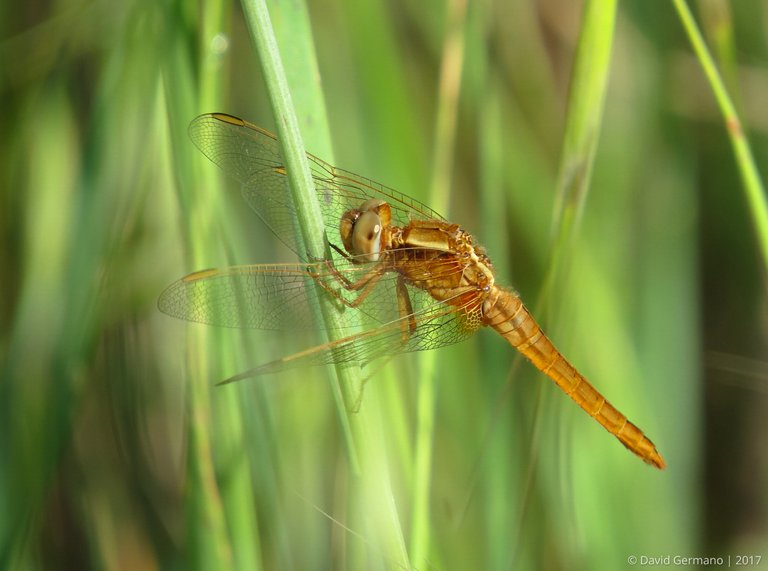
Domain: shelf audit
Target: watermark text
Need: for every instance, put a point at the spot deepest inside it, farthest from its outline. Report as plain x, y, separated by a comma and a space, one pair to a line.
695, 561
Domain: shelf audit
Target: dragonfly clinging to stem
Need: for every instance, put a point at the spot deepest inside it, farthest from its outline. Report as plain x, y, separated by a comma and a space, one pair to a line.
419, 281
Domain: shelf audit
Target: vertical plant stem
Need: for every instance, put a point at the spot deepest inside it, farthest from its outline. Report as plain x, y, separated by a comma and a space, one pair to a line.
373, 491
750, 177
585, 111
230, 437
205, 520
310, 221
445, 136
302, 188
582, 130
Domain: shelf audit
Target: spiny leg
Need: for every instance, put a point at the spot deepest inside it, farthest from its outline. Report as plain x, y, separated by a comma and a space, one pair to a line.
364, 285
405, 309
408, 326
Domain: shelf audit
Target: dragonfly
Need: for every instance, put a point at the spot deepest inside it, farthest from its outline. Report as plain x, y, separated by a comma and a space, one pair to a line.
413, 279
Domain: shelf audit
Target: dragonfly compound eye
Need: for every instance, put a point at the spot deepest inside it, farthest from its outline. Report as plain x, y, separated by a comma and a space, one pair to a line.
366, 236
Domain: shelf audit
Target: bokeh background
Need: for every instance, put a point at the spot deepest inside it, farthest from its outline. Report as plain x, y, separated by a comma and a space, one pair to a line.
118, 452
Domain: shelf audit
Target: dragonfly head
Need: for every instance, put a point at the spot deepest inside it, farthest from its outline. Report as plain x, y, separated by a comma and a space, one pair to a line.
361, 229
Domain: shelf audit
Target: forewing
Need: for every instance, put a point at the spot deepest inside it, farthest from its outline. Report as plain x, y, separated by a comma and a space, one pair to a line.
284, 296
253, 156
269, 297
276, 297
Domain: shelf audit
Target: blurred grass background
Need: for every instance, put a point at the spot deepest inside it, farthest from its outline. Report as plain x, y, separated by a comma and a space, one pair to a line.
116, 450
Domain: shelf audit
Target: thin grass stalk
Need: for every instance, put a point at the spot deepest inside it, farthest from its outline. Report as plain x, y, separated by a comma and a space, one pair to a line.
310, 222
36, 382
205, 519
500, 475
230, 440
750, 176
718, 27
582, 130
365, 451
440, 186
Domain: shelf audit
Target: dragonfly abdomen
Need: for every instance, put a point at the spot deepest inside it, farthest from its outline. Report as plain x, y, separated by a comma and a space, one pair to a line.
506, 313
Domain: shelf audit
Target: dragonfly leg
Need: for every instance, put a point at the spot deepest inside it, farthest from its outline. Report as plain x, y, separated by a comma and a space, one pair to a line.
341, 252
343, 280
369, 373
405, 309
315, 259
360, 392
364, 285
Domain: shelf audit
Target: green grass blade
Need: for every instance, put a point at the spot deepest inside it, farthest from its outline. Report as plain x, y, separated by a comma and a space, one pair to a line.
582, 131
440, 186
362, 429
585, 112
586, 98
205, 519
750, 176
310, 222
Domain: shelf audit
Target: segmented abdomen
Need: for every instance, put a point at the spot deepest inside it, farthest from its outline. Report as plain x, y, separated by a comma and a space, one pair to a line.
507, 314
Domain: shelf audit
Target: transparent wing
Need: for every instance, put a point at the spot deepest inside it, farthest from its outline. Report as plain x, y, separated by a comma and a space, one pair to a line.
284, 296
269, 297
253, 156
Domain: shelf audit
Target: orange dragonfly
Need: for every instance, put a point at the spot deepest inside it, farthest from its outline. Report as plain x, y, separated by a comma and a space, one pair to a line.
418, 281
